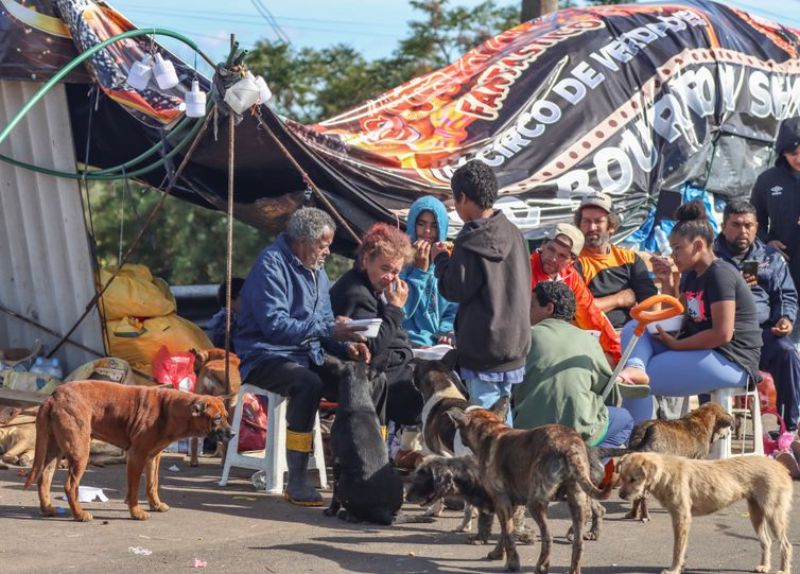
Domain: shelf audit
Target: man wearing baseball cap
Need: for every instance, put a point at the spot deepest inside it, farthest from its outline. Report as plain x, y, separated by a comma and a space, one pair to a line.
617, 277
553, 261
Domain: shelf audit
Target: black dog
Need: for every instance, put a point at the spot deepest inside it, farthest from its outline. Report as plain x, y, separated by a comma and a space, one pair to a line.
365, 483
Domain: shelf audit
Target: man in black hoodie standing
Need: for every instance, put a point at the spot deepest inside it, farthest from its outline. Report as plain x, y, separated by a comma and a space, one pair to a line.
488, 275
776, 197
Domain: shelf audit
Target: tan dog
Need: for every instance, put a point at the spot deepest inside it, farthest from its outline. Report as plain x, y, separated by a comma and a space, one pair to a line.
689, 488
18, 440
18, 435
140, 420
531, 467
210, 369
690, 436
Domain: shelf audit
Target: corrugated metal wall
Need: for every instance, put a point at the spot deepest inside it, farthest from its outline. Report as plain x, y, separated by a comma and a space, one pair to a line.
45, 263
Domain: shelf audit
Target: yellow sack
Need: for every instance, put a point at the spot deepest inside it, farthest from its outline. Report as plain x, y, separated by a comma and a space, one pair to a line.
138, 342
135, 293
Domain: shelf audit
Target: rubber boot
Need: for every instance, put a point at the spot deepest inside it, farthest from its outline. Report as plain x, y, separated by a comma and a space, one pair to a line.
298, 491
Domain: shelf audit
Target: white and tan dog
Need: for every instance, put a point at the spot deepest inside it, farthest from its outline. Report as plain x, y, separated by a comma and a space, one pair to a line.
687, 488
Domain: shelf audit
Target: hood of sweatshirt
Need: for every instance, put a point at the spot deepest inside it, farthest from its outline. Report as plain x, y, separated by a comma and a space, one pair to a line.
788, 139
492, 237
427, 203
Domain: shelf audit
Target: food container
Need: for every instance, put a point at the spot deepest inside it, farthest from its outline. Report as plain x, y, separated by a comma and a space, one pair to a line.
372, 325
671, 325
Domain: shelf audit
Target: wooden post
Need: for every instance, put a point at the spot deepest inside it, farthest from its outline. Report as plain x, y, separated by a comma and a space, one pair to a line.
535, 8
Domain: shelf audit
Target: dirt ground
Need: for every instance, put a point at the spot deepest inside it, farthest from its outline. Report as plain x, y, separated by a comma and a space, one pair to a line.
236, 529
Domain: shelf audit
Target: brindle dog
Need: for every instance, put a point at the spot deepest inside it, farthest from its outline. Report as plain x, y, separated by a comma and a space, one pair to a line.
530, 467
439, 477
690, 436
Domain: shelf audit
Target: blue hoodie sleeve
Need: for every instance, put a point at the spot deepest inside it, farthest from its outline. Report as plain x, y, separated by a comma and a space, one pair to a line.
275, 321
782, 293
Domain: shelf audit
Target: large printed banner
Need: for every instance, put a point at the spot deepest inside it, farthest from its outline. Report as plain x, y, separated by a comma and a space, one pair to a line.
623, 99
630, 100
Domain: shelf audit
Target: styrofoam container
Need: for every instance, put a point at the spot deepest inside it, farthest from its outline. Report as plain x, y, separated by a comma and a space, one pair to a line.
671, 325
372, 325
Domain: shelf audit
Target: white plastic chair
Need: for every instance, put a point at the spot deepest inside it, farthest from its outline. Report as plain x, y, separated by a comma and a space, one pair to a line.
725, 397
273, 463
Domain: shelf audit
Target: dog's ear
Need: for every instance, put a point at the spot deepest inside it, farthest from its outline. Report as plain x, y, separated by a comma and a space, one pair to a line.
500, 408
457, 416
199, 407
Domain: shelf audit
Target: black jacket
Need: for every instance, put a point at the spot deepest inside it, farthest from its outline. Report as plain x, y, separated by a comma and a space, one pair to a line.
776, 197
352, 296
489, 276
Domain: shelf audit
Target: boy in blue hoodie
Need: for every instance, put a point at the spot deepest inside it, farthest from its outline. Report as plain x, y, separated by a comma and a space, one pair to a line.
428, 316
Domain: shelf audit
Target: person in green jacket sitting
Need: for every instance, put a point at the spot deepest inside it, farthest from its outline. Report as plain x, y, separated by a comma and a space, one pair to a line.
565, 374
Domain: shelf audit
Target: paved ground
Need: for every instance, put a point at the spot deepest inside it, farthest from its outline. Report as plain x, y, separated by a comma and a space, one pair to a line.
235, 529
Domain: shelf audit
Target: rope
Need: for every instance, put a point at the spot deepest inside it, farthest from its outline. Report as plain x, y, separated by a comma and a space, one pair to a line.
139, 236
229, 262
317, 192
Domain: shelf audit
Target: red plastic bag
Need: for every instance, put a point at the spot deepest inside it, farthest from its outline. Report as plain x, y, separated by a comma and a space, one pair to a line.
176, 369
253, 430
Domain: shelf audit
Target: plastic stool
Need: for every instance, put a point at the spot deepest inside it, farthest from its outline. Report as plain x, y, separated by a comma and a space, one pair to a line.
725, 397
273, 463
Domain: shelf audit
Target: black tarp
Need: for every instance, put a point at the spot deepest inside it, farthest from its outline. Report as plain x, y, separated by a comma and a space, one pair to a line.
628, 99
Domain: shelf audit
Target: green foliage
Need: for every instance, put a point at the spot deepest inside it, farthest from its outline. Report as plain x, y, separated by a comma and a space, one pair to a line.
185, 244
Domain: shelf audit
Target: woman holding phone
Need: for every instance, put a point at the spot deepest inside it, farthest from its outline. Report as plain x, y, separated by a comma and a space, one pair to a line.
373, 289
720, 343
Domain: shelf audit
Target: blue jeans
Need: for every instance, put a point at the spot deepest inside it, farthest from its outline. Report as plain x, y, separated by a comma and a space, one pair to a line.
677, 373
485, 394
620, 425
780, 358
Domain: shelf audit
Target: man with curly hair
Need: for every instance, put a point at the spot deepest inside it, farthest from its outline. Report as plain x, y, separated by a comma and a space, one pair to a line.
488, 275
565, 374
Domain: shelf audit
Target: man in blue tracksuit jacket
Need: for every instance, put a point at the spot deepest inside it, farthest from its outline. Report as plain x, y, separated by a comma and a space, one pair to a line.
428, 316
776, 301
284, 328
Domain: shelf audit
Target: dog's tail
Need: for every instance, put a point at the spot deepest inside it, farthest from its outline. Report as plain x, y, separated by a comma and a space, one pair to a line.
42, 443
578, 460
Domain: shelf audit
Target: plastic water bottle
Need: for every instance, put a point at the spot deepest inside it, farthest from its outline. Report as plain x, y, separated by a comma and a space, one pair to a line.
39, 366
662, 241
54, 369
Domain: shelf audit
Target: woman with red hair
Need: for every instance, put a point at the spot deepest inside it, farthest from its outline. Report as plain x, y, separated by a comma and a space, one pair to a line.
373, 289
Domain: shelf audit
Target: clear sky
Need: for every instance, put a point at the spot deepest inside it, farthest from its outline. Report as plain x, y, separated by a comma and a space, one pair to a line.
373, 27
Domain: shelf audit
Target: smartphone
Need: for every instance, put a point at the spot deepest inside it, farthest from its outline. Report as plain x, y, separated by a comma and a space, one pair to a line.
750, 267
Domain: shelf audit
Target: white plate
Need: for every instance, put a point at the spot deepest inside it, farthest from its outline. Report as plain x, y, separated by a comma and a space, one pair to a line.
671, 325
372, 325
434, 353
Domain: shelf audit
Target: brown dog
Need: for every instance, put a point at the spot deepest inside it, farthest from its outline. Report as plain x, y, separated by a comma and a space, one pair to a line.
689, 488
531, 467
690, 436
140, 420
210, 369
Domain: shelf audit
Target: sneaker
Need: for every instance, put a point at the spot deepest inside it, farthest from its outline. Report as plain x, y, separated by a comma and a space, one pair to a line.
788, 460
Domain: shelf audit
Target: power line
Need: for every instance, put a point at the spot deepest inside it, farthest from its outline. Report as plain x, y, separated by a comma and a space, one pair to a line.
267, 15
247, 19
251, 23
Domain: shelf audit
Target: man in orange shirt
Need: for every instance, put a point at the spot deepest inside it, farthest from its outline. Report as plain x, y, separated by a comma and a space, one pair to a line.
553, 262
